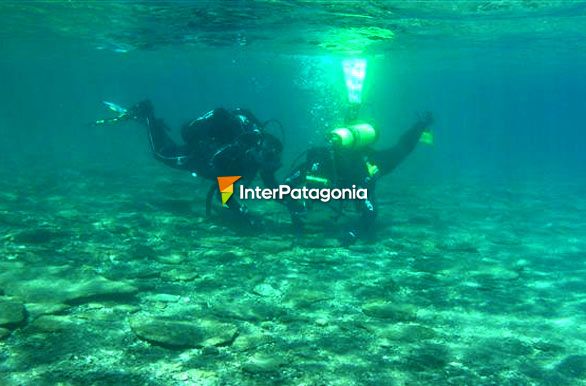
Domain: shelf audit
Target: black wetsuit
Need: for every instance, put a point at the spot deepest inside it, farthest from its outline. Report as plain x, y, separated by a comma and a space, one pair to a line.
219, 143
342, 168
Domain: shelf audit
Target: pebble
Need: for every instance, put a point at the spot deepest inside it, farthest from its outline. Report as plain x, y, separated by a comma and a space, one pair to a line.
266, 290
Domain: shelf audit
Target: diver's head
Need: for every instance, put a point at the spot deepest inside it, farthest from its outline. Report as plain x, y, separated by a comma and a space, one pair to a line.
353, 137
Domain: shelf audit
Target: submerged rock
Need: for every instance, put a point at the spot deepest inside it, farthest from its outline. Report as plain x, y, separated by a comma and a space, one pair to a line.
170, 259
37, 309
179, 275
12, 313
183, 334
302, 297
54, 288
386, 310
164, 298
431, 357
54, 323
263, 364
39, 236
266, 290
573, 366
4, 332
251, 341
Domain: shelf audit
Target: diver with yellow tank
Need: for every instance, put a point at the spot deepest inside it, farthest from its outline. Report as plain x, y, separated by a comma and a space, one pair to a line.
348, 159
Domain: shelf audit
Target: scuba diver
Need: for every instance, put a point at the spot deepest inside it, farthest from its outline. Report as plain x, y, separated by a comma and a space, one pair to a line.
349, 161
219, 143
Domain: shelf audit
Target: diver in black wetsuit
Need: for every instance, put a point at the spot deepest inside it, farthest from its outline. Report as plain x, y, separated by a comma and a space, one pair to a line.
219, 143
349, 160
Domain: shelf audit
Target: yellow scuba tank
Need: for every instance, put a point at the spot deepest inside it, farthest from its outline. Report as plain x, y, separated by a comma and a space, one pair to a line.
354, 136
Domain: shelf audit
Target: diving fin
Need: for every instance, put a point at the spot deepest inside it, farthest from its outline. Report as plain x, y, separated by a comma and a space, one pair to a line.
122, 114
114, 107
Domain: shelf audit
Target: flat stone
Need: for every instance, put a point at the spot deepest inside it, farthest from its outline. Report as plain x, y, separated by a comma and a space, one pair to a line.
429, 357
170, 259
322, 322
386, 310
4, 332
37, 309
61, 285
179, 275
573, 366
183, 334
12, 312
266, 290
299, 297
165, 298
222, 257
39, 236
263, 364
251, 341
54, 323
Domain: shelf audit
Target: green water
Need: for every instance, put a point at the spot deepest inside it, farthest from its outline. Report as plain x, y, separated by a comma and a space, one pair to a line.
111, 272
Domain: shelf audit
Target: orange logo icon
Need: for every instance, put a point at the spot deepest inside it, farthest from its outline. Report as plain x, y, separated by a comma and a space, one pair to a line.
226, 185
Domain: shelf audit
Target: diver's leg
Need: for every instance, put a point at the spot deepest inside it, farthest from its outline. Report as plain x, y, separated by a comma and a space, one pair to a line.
240, 211
162, 146
218, 124
364, 228
297, 208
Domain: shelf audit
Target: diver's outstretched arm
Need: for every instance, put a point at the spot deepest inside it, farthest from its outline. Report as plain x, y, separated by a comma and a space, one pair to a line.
388, 159
162, 146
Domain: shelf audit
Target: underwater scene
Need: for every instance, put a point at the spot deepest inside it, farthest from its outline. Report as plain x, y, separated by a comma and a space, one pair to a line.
281, 192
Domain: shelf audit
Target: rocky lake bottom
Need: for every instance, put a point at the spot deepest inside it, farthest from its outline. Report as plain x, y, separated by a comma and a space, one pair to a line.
111, 277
